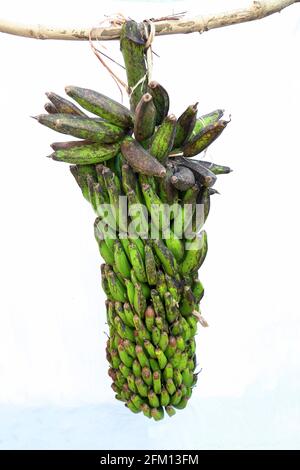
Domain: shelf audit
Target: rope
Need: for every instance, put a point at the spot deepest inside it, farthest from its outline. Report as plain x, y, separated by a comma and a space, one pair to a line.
117, 19
120, 19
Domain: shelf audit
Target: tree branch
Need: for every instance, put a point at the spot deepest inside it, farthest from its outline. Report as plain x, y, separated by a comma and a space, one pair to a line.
256, 11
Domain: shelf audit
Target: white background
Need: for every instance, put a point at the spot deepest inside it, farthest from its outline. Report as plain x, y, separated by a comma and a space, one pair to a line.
55, 392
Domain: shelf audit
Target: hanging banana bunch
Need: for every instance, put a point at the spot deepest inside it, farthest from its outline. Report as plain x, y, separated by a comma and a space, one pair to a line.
143, 156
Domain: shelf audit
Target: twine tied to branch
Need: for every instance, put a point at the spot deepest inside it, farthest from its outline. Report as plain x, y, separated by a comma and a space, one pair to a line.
119, 19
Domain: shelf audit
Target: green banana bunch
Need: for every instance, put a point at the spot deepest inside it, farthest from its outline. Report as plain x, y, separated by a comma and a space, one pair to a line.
150, 271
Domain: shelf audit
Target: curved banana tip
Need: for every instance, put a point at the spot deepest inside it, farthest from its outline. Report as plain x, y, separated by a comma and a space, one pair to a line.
35, 117
214, 191
228, 120
68, 89
153, 84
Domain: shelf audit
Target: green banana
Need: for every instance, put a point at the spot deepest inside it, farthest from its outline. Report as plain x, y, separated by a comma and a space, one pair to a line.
142, 358
182, 404
99, 170
153, 399
195, 254
117, 290
136, 368
177, 378
140, 160
144, 120
86, 154
138, 214
160, 323
69, 144
172, 311
198, 290
165, 256
202, 174
157, 382
149, 349
157, 304
146, 410
164, 340
167, 191
204, 138
161, 100
147, 375
205, 120
64, 106
139, 244
121, 262
215, 168
129, 181
157, 210
104, 284
131, 383
110, 309
124, 356
161, 358
125, 371
173, 288
163, 139
175, 245
164, 398
139, 300
141, 387
81, 181
137, 401
149, 317
102, 106
183, 179
145, 288
82, 127
185, 125
130, 291
188, 302
155, 335
161, 285
123, 330
154, 364
114, 194
190, 196
170, 386
170, 411
105, 252
150, 266
137, 263
187, 378
128, 313
50, 108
